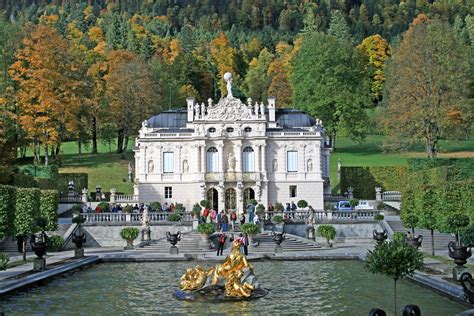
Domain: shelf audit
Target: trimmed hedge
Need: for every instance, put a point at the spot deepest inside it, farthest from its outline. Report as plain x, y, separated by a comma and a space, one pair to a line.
26, 210
47, 184
466, 165
81, 181
364, 180
40, 171
7, 210
24, 181
49, 200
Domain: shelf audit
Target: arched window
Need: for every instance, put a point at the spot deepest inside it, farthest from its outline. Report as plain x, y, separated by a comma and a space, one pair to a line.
212, 159
248, 129
249, 160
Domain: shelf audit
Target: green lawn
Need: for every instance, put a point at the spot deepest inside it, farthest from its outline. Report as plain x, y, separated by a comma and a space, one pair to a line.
109, 170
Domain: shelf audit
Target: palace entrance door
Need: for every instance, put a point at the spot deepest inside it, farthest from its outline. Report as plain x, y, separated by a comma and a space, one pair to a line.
230, 199
213, 198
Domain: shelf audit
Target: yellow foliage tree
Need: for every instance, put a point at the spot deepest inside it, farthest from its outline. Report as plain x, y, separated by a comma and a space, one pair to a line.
224, 58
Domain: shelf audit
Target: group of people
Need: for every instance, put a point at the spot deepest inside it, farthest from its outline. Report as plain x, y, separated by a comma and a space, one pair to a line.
243, 241
222, 219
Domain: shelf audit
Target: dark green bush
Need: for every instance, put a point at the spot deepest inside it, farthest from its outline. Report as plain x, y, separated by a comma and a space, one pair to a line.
196, 209
26, 210
206, 228
327, 231
7, 210
104, 207
129, 233
467, 236
24, 181
155, 206
379, 217
399, 236
49, 208
278, 207
128, 209
252, 201
40, 171
260, 210
4, 259
79, 219
380, 206
179, 208
55, 243
174, 217
302, 204
250, 228
353, 203
277, 219
205, 203
47, 184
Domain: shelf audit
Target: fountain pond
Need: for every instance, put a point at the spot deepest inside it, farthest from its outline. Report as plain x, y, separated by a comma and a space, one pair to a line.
297, 287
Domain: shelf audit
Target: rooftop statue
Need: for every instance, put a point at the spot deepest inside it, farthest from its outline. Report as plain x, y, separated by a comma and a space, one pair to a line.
232, 280
228, 79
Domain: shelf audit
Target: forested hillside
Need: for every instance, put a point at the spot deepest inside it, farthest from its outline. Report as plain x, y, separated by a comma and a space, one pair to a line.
93, 70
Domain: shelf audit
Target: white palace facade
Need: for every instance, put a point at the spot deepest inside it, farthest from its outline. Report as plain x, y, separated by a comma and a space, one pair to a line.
231, 152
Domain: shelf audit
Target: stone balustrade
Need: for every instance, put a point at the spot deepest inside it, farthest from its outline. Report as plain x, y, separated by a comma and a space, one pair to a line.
328, 216
70, 199
120, 198
129, 218
391, 196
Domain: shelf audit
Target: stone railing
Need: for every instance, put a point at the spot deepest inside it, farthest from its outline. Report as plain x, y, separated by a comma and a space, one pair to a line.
70, 199
391, 196
126, 198
327, 216
129, 218
334, 197
284, 134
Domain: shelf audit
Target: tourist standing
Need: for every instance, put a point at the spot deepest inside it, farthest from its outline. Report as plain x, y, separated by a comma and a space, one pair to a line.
205, 214
256, 220
220, 242
293, 209
251, 210
225, 221
241, 243
287, 210
213, 215
233, 218
219, 220
242, 219
270, 210
246, 244
165, 207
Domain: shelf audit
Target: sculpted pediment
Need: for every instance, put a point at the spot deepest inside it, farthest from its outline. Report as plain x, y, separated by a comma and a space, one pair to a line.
229, 109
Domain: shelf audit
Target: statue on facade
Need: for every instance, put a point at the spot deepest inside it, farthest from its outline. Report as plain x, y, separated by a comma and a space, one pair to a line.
262, 109
275, 165
309, 217
231, 162
310, 165
228, 79
185, 166
151, 166
145, 224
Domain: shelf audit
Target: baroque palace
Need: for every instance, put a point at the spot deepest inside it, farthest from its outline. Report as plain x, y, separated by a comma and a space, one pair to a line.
231, 152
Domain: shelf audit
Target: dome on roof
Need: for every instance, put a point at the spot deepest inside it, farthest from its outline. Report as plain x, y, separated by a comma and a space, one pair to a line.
168, 119
294, 118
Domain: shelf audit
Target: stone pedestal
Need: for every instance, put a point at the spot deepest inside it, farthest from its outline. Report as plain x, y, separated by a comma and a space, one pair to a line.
78, 252
174, 250
39, 264
195, 223
278, 249
378, 194
457, 271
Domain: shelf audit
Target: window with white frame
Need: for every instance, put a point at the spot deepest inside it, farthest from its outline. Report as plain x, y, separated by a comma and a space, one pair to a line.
168, 192
168, 163
212, 160
249, 160
292, 161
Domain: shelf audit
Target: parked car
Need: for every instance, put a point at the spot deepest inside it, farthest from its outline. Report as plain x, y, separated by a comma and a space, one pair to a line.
343, 206
364, 205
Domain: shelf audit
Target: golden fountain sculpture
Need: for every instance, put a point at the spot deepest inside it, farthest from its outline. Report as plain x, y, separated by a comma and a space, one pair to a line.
233, 279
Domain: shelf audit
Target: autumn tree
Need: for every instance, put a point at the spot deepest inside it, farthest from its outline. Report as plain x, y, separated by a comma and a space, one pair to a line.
278, 71
330, 82
131, 97
224, 58
427, 86
47, 98
256, 81
377, 51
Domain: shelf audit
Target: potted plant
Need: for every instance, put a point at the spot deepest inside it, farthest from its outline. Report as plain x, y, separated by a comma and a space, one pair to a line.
353, 203
174, 217
328, 232
103, 206
378, 217
129, 234
460, 252
251, 230
302, 204
260, 211
205, 229
205, 203
277, 221
55, 243
128, 209
196, 211
396, 260
278, 207
155, 206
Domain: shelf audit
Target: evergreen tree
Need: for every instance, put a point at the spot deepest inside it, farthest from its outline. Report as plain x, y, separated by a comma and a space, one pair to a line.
338, 26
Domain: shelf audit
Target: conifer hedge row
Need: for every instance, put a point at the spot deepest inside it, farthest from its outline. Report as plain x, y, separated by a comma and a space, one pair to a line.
7, 209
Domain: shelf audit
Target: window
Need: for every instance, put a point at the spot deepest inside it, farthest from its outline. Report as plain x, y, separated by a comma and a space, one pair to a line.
168, 192
168, 162
292, 191
249, 165
212, 130
247, 129
292, 161
230, 129
212, 159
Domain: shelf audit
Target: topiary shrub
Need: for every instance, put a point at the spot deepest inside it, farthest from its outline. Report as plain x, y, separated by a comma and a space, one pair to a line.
250, 228
196, 209
55, 243
26, 210
104, 207
327, 231
252, 201
156, 206
179, 208
24, 181
49, 200
206, 228
278, 207
205, 203
353, 203
467, 236
277, 219
456, 223
4, 259
302, 204
129, 233
260, 210
380, 206
399, 236
379, 217
128, 209
174, 217
7, 210
79, 219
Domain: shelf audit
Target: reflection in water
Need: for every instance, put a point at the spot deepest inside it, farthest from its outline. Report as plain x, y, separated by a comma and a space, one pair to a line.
305, 287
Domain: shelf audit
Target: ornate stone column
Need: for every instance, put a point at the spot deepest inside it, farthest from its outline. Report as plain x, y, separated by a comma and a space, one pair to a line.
203, 158
264, 158
220, 148
160, 160
258, 157
221, 196
240, 197
238, 158
180, 165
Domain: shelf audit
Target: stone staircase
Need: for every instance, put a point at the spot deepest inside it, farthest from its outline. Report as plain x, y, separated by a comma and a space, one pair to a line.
291, 244
190, 243
9, 245
441, 240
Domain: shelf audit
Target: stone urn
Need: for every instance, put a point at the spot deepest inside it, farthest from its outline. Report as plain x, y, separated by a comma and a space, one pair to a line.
460, 254
39, 244
173, 239
467, 284
278, 238
78, 240
379, 237
414, 241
